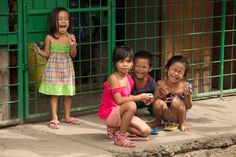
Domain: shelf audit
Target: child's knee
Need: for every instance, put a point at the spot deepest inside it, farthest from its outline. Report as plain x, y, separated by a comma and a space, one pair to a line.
177, 103
132, 106
146, 132
159, 105
180, 108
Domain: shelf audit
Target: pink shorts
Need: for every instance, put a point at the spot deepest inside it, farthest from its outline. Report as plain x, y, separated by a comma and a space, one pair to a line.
114, 119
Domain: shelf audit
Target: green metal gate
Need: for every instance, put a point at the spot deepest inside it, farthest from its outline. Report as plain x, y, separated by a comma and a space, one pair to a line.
91, 23
203, 31
11, 67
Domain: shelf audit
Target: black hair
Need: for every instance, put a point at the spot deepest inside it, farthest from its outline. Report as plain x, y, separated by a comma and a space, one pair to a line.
53, 21
146, 55
121, 52
180, 59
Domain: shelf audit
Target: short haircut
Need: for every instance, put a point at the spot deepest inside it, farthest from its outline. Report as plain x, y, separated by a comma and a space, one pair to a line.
145, 55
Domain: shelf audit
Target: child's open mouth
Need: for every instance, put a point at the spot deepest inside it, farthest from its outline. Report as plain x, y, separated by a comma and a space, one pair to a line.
63, 29
175, 78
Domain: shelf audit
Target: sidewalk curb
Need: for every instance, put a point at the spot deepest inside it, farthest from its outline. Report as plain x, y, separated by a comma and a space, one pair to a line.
218, 141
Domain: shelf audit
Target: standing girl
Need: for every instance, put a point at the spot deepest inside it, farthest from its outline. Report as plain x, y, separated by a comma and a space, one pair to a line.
118, 106
58, 77
172, 96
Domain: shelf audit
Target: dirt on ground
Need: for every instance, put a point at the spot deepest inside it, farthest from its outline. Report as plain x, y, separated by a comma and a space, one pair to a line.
218, 152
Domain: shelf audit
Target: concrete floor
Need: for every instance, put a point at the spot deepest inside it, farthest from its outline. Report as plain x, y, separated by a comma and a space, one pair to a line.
212, 123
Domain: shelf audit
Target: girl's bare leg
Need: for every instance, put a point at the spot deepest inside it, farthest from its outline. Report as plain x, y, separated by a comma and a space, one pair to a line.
159, 109
127, 111
54, 106
181, 116
180, 108
67, 107
139, 127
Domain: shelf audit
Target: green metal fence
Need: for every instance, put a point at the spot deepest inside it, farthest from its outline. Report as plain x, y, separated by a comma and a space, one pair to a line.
11, 80
203, 31
91, 22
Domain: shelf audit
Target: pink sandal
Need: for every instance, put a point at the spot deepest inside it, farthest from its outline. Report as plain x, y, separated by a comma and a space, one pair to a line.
121, 140
111, 131
71, 120
133, 137
54, 124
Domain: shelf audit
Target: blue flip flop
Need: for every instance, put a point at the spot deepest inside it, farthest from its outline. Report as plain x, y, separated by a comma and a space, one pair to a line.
154, 131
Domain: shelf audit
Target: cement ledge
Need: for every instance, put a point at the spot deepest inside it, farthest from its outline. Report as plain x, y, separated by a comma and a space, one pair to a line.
167, 150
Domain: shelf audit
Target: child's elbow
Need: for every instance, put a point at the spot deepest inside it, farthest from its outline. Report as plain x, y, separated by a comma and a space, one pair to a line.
119, 102
189, 105
73, 54
45, 54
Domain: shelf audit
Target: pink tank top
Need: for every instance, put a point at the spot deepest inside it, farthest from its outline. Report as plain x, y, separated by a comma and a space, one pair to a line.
108, 102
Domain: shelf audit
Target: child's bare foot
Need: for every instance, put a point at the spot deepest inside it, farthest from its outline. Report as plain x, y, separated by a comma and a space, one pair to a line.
153, 124
183, 127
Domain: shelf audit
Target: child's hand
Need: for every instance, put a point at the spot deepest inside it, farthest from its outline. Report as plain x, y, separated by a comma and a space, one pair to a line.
149, 98
189, 89
36, 48
72, 39
164, 91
